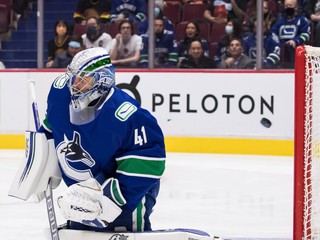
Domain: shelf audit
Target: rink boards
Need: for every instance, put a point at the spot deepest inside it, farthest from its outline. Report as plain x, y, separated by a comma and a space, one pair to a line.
237, 112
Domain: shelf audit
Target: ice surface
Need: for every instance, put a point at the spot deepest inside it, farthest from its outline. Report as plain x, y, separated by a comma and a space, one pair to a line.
236, 196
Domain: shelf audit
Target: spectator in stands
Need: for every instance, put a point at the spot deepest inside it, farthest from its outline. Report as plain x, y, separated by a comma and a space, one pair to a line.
301, 4
99, 9
236, 60
20, 8
132, 10
125, 47
219, 11
271, 45
196, 57
293, 30
192, 31
233, 30
166, 54
96, 37
312, 12
239, 8
158, 12
269, 14
59, 43
2, 66
62, 61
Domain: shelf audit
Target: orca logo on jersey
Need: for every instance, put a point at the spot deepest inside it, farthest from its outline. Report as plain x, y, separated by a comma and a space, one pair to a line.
74, 160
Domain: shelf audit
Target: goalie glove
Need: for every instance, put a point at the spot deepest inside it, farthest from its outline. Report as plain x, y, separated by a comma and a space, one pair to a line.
84, 202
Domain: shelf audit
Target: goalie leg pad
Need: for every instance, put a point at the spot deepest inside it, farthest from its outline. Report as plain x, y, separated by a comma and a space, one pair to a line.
40, 165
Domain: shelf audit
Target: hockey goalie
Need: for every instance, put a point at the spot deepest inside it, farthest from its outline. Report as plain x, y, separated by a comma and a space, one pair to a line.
110, 153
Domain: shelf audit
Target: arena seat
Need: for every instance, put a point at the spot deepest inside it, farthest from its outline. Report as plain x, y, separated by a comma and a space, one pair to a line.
173, 11
217, 31
180, 30
213, 49
205, 29
193, 11
79, 29
4, 18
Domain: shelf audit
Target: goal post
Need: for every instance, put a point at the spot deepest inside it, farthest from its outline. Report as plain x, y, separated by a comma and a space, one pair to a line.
306, 224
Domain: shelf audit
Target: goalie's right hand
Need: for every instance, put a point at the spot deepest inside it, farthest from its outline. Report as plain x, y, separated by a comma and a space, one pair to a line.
84, 202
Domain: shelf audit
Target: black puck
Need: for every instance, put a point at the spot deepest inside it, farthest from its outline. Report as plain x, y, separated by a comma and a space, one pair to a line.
266, 122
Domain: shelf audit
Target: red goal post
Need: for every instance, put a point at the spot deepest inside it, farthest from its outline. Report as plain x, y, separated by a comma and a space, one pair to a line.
307, 144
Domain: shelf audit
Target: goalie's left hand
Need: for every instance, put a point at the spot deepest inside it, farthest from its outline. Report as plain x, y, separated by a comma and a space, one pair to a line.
84, 202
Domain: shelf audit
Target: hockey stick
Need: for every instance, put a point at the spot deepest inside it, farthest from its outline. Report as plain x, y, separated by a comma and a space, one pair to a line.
48, 193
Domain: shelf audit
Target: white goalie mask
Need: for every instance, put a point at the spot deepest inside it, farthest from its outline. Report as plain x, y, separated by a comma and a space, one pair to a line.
91, 76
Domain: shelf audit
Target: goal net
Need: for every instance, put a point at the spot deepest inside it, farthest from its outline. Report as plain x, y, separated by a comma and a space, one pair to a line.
307, 144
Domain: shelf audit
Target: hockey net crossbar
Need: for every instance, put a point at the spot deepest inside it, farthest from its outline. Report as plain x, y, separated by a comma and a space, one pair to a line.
307, 144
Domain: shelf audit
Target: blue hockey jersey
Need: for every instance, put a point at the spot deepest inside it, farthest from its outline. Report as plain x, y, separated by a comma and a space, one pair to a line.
132, 9
165, 52
124, 142
271, 49
297, 29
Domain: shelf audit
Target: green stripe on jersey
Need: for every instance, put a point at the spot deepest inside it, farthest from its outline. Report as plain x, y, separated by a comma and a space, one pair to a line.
46, 124
145, 167
139, 217
117, 194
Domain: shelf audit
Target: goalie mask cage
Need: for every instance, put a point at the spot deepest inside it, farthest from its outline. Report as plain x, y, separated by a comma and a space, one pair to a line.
307, 144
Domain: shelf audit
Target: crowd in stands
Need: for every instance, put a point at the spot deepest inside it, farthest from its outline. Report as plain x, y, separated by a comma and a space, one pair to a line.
189, 33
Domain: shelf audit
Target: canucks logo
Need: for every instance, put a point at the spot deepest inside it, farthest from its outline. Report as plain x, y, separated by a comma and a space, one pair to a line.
74, 159
125, 111
119, 237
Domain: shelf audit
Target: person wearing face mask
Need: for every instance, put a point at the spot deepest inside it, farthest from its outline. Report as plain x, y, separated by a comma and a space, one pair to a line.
125, 47
94, 37
229, 29
233, 29
59, 43
293, 30
158, 12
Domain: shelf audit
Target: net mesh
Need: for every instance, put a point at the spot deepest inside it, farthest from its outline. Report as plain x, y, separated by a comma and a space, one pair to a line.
312, 145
